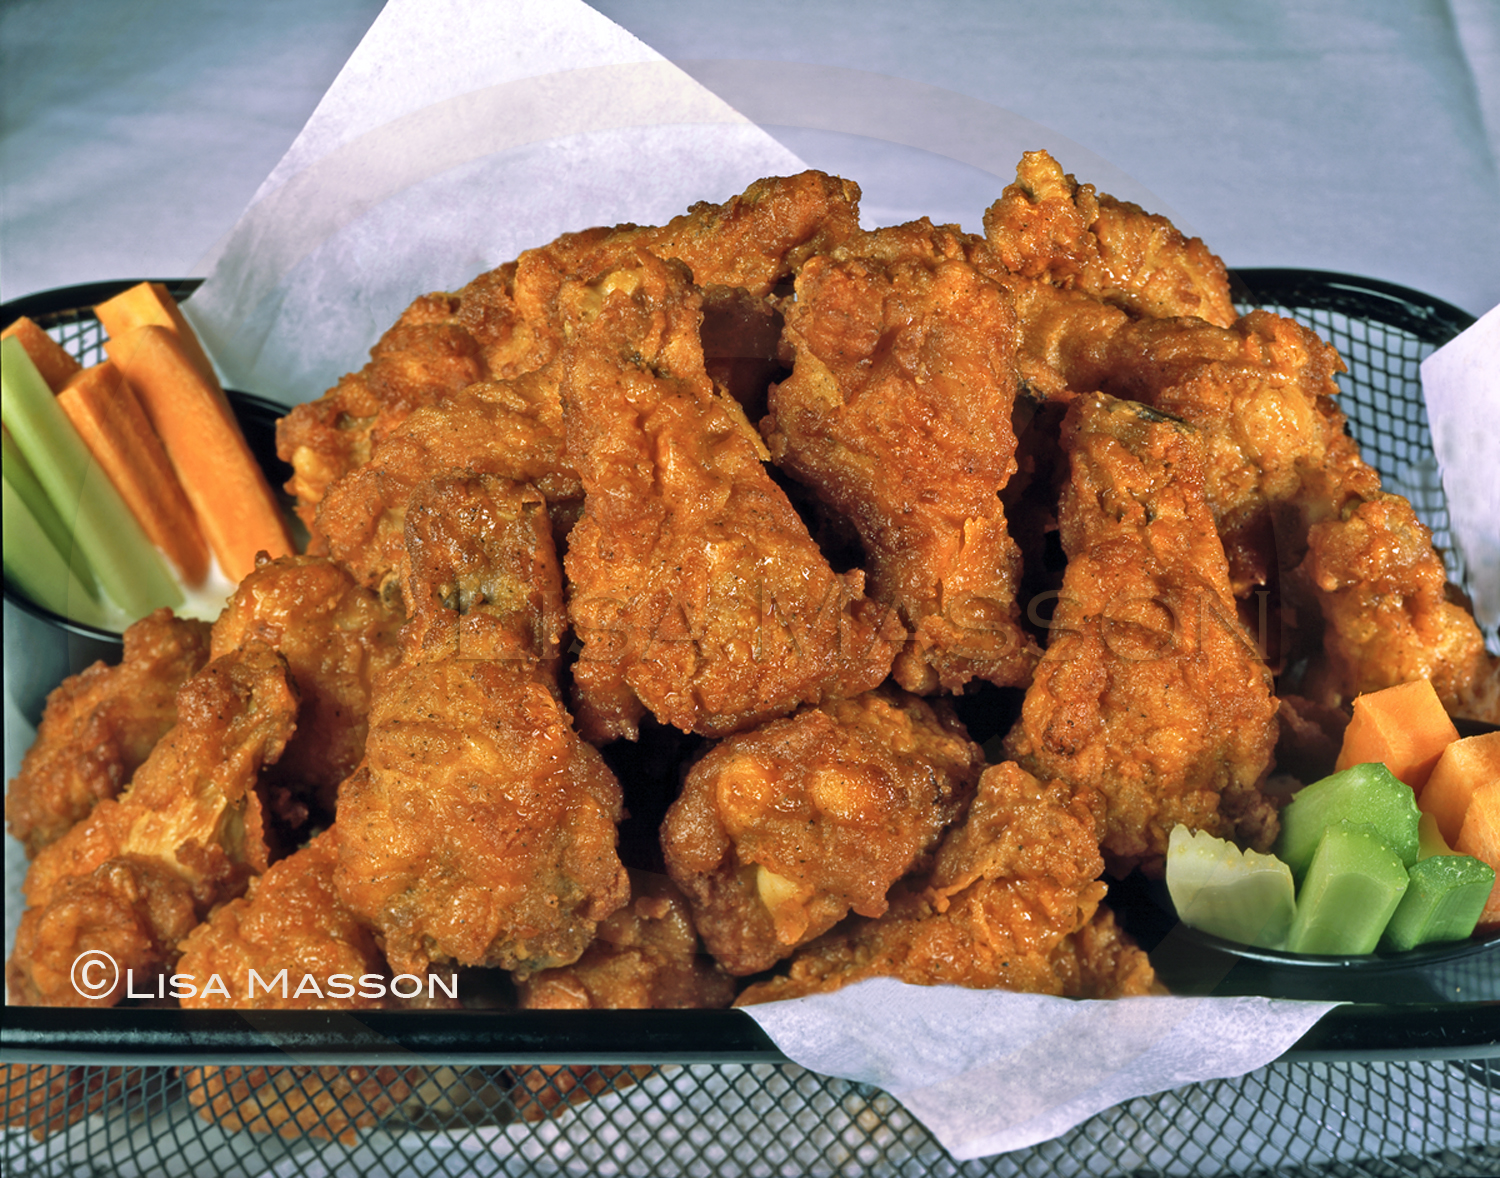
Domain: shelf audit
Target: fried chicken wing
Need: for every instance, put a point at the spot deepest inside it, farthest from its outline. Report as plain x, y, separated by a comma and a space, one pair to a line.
289, 926
136, 874
1011, 903
1046, 225
99, 727
337, 640
505, 323
479, 829
646, 956
696, 590
1150, 691
898, 415
782, 831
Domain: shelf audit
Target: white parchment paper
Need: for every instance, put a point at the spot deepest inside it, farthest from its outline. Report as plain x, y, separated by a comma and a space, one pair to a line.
1461, 384
988, 1071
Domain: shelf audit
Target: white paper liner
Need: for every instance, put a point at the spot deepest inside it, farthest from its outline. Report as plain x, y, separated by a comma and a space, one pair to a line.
1461, 384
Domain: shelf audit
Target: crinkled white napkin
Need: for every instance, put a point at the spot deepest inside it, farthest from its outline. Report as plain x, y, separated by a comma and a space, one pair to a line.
988, 1071
1461, 383
459, 134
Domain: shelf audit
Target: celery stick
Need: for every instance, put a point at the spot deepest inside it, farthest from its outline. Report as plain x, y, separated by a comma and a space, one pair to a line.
1242, 896
22, 479
1443, 901
1352, 886
130, 570
34, 566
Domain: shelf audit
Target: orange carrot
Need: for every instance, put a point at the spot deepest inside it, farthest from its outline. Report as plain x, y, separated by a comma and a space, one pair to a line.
149, 303
52, 360
1480, 837
1464, 766
114, 427
1404, 727
235, 505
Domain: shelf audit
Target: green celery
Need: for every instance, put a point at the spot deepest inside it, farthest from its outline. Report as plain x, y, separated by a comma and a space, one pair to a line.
23, 482
34, 566
130, 570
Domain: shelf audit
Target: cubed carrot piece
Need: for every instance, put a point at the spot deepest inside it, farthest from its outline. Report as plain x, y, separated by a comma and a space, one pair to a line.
1464, 766
1480, 837
235, 506
1404, 728
149, 303
114, 427
52, 360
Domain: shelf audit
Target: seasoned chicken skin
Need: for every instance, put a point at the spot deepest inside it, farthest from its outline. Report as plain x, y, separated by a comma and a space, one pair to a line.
140, 871
505, 323
898, 415
695, 589
480, 829
1151, 691
1048, 226
1011, 903
782, 831
100, 725
337, 640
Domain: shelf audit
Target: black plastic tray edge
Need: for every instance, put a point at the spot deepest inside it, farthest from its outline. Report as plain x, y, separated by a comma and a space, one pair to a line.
1349, 1032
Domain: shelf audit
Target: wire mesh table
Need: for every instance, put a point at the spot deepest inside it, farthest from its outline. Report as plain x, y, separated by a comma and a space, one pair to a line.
1363, 1099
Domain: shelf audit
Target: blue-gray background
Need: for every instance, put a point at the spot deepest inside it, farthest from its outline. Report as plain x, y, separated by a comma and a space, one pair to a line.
1353, 135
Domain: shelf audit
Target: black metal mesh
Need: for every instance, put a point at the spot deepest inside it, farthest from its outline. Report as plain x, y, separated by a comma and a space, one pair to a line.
1420, 1119
1296, 1119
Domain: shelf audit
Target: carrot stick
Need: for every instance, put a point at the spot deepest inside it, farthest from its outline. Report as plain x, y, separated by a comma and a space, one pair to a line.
149, 303
52, 360
235, 505
114, 427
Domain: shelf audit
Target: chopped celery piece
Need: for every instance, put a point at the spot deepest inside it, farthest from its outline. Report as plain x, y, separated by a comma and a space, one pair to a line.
1352, 886
22, 479
129, 569
1430, 840
34, 566
1369, 794
1442, 902
1239, 895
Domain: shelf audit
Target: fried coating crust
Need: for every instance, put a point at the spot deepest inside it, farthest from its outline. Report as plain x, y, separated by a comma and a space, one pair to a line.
141, 870
1046, 225
505, 322
289, 920
780, 832
898, 415
1151, 691
1012, 903
40, 1097
99, 727
696, 591
337, 640
509, 428
644, 957
479, 828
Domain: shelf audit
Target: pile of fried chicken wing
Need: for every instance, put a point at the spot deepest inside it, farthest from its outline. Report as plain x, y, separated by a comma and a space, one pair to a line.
660, 580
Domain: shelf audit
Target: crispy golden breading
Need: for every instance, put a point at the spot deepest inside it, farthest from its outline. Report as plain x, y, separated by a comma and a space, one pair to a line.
510, 428
289, 922
100, 725
480, 828
1150, 691
505, 323
40, 1097
695, 589
644, 957
1046, 225
782, 831
337, 640
136, 874
898, 415
1006, 906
